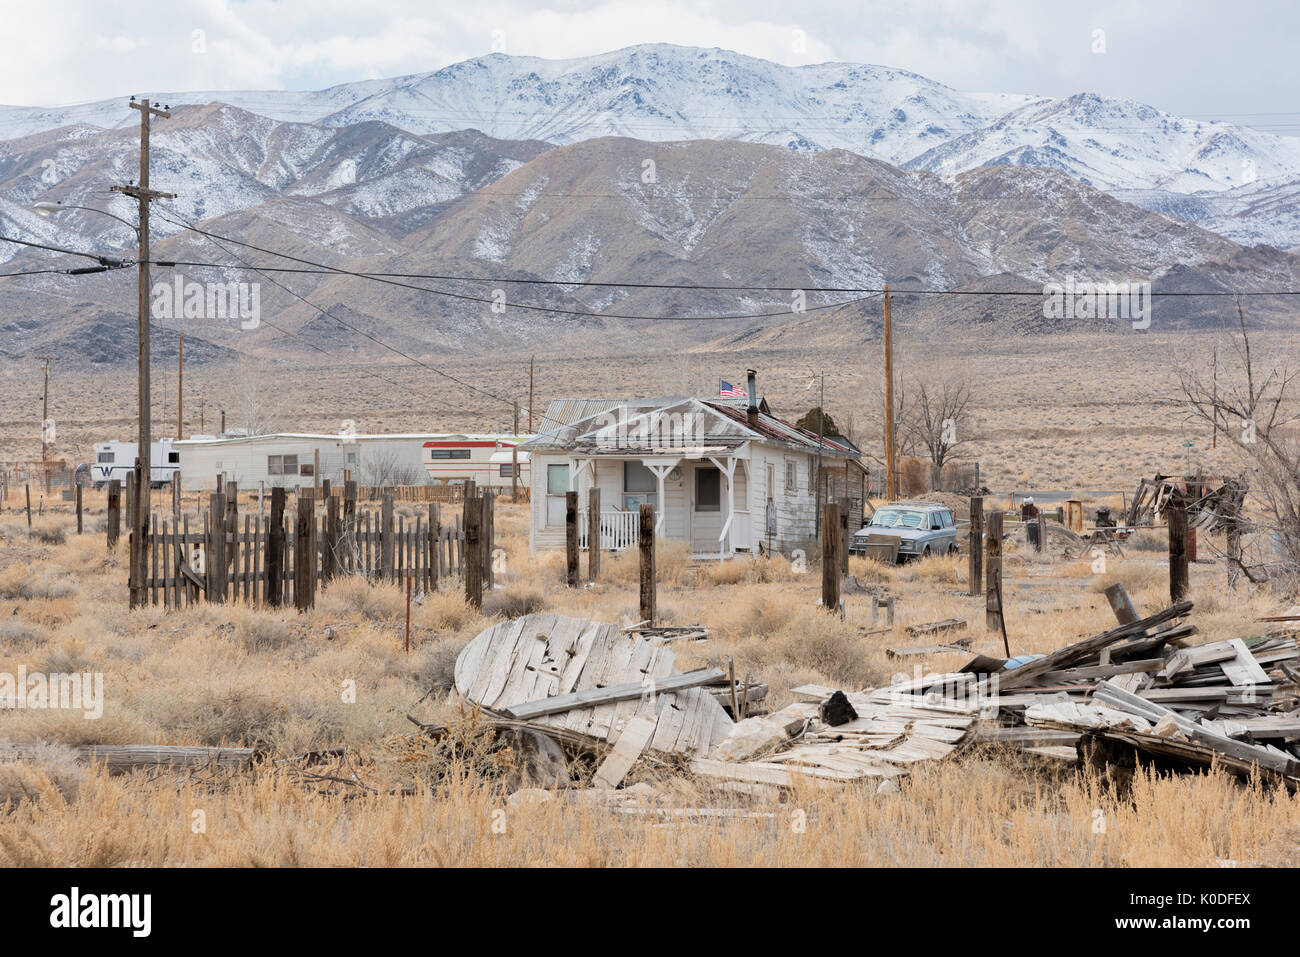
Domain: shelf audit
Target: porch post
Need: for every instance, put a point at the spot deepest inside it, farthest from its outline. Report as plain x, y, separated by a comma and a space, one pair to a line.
729, 470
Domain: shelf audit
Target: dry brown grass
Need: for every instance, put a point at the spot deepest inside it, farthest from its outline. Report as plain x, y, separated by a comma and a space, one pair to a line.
237, 675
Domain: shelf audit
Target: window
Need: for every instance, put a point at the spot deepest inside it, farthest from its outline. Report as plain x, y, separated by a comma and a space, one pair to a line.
448, 453
557, 487
557, 479
352, 458
307, 468
505, 470
708, 490
174, 458
104, 457
640, 487
282, 465
948, 521
791, 478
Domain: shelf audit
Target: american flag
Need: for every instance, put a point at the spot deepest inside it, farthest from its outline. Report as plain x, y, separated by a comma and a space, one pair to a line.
728, 391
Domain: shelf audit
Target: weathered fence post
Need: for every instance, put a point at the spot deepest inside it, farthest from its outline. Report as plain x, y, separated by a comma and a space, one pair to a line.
975, 544
232, 531
78, 509
474, 551
114, 512
593, 533
435, 547
571, 539
388, 551
350, 525
216, 564
275, 550
993, 571
329, 560
489, 536
28, 490
844, 533
1121, 604
647, 542
831, 556
304, 555
176, 497
1176, 516
1041, 544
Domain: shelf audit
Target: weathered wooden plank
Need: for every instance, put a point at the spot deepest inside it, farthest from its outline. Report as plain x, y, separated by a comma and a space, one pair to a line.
629, 746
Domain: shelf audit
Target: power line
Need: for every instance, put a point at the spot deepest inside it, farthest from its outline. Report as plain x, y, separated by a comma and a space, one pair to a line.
102, 260
554, 310
375, 339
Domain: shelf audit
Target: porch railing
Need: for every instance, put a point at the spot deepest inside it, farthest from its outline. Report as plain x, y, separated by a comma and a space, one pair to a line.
617, 529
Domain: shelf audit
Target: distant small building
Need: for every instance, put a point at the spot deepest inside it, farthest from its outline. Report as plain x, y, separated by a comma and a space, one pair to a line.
724, 475
291, 459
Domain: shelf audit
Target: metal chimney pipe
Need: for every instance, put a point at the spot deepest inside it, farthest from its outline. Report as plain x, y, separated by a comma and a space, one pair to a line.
752, 388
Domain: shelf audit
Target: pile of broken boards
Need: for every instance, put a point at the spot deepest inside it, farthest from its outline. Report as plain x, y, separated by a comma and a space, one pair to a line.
1231, 704
615, 694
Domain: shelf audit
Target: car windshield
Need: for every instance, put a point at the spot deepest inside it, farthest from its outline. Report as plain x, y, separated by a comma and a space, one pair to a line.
898, 518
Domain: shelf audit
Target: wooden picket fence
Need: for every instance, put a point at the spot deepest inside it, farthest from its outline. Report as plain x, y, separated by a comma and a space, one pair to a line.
280, 560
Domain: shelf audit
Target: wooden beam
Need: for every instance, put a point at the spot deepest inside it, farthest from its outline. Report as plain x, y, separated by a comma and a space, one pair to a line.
613, 694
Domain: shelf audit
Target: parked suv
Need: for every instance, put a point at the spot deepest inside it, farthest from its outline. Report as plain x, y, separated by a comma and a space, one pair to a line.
922, 528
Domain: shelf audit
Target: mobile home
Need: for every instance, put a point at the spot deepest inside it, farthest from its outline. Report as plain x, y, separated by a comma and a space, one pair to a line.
293, 459
116, 460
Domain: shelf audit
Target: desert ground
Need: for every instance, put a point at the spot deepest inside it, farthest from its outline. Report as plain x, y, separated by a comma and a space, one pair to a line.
1068, 412
1087, 414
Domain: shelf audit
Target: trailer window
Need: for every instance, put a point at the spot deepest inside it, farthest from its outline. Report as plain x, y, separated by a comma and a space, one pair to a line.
505, 470
104, 457
282, 465
308, 468
173, 458
448, 453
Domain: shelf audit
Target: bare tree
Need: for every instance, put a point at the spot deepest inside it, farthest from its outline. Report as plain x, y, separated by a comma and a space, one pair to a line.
253, 405
1249, 402
936, 419
387, 468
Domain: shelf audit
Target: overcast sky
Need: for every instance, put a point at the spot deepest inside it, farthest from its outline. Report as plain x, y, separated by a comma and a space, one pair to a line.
1234, 60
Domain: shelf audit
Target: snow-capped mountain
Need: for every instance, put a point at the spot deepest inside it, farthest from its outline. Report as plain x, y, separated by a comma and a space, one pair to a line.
219, 159
716, 213
662, 92
1267, 211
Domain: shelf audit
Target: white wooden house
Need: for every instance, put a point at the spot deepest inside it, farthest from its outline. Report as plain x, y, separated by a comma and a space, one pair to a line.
724, 475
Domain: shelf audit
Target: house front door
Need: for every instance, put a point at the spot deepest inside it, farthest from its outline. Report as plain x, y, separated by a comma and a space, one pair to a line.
706, 508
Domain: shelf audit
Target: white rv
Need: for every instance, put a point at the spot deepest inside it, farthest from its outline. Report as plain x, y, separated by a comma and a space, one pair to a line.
116, 460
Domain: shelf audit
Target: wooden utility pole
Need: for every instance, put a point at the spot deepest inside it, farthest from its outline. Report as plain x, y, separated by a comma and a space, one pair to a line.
180, 387
891, 465
45, 418
530, 395
514, 459
144, 458
975, 544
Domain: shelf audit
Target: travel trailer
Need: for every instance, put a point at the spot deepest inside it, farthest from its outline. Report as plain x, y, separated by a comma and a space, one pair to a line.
116, 460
